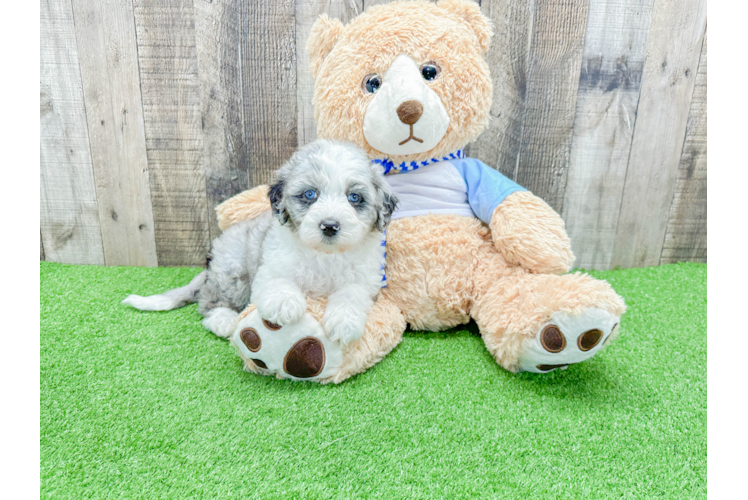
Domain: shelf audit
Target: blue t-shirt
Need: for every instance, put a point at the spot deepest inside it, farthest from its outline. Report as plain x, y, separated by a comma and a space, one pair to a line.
463, 186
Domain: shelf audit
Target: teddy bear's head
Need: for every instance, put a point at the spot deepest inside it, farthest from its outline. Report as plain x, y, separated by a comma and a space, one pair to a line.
406, 81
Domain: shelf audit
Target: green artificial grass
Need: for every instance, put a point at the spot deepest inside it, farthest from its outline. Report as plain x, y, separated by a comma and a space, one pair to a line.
151, 405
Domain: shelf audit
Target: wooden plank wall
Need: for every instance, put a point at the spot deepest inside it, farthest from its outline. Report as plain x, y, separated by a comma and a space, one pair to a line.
508, 59
609, 84
111, 90
554, 61
224, 159
167, 54
70, 227
673, 49
685, 237
155, 111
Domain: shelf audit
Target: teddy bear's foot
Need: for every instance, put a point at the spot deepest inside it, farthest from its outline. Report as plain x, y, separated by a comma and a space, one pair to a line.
542, 322
297, 351
568, 339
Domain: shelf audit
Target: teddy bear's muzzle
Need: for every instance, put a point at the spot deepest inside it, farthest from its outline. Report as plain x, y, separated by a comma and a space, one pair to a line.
409, 113
405, 100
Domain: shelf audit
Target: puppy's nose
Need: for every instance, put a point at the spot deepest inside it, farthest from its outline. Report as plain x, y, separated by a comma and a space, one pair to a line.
329, 227
409, 112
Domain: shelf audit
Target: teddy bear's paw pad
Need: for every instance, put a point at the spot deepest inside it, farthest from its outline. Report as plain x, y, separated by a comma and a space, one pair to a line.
271, 326
568, 339
305, 359
298, 351
250, 339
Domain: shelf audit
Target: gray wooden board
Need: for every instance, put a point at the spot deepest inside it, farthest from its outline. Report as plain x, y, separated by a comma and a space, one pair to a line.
268, 53
108, 56
609, 83
673, 49
226, 98
685, 236
554, 64
307, 12
498, 146
41, 247
224, 159
170, 90
69, 221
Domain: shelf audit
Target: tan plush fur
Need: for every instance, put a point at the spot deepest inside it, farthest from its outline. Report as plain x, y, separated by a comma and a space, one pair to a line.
529, 234
243, 206
384, 330
442, 270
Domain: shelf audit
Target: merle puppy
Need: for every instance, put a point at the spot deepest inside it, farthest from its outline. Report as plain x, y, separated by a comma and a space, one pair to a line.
323, 238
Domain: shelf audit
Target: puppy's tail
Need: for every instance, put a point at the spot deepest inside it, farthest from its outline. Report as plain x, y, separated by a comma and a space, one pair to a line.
173, 299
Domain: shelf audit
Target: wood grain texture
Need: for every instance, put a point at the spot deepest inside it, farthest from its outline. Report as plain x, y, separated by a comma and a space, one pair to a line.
599, 107
608, 95
554, 64
41, 247
673, 48
307, 12
507, 57
172, 110
108, 54
224, 160
268, 53
685, 236
69, 221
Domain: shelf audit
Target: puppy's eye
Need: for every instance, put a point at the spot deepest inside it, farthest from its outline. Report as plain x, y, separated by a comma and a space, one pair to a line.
371, 83
354, 198
430, 71
310, 194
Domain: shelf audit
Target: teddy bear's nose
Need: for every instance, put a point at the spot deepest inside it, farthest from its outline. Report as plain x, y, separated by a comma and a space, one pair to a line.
409, 112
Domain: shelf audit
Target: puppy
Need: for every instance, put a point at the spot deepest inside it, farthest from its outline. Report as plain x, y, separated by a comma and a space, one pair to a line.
323, 238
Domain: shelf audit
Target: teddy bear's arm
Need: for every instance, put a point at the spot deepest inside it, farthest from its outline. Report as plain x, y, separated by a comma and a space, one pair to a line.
530, 234
245, 205
525, 230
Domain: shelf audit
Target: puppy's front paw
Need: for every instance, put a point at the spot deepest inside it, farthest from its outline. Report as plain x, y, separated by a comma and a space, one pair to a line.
282, 310
343, 325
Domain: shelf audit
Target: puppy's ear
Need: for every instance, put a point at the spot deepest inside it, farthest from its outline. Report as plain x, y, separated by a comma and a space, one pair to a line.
385, 210
275, 193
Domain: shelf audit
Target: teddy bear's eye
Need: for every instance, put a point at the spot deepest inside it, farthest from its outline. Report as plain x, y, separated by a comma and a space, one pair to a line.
371, 83
430, 71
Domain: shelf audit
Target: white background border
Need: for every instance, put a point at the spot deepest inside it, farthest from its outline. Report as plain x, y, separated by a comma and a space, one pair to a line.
727, 245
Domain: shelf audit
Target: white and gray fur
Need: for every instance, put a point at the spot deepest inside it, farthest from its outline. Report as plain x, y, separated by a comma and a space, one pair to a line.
277, 259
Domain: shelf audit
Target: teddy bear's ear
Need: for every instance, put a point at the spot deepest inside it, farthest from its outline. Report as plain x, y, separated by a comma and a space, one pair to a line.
322, 39
470, 12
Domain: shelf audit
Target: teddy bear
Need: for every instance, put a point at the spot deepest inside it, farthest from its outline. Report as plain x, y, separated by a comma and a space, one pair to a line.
408, 82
